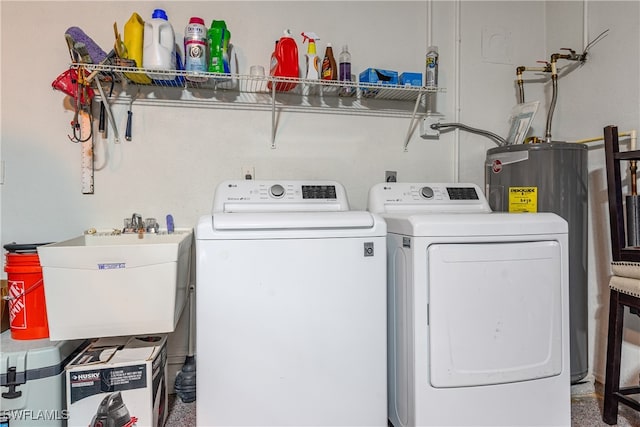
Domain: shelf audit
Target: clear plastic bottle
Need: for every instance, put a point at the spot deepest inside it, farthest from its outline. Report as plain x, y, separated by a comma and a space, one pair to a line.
329, 69
344, 61
344, 73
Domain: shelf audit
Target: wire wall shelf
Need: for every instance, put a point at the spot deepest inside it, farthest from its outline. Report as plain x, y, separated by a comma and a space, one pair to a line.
179, 88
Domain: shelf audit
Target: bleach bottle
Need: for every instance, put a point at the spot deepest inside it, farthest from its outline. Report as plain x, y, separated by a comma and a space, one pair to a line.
159, 52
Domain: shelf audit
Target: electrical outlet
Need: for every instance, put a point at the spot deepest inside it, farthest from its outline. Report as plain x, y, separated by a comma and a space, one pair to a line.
390, 176
248, 172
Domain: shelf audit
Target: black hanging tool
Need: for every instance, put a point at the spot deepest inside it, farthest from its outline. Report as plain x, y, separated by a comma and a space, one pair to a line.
127, 134
102, 121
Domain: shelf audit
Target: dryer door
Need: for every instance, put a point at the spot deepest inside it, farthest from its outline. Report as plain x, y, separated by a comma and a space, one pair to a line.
494, 312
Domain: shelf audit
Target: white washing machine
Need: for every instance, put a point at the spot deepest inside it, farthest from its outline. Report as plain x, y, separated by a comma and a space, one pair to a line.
477, 307
291, 308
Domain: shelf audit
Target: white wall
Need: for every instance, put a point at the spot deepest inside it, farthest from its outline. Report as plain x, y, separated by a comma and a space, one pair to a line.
492, 47
178, 155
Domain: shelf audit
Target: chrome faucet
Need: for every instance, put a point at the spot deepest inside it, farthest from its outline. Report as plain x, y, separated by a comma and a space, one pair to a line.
136, 222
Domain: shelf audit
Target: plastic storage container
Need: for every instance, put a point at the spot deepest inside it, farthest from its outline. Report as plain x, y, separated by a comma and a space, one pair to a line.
159, 51
32, 380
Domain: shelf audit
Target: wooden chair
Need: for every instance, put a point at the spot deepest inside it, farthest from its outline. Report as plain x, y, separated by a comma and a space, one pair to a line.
624, 285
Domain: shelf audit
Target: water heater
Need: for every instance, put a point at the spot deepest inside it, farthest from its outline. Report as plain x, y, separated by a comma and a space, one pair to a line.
550, 177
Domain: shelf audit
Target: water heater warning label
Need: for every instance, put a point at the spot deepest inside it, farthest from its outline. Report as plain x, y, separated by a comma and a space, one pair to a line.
523, 199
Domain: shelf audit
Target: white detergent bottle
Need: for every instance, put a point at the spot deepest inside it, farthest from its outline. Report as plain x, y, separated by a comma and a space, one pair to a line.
159, 45
312, 57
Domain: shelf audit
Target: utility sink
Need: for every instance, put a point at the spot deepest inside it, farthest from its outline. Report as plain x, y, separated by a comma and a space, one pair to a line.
101, 285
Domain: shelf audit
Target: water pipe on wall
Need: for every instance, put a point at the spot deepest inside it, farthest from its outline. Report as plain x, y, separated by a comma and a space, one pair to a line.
552, 67
457, 100
500, 141
519, 79
632, 134
572, 56
633, 164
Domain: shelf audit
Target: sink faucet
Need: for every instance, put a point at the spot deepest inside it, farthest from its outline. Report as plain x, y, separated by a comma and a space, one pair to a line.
136, 222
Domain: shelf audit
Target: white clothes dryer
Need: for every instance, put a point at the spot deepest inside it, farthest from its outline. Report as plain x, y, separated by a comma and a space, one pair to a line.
478, 326
291, 308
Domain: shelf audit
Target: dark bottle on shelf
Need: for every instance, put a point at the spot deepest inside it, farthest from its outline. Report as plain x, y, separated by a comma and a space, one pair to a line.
329, 68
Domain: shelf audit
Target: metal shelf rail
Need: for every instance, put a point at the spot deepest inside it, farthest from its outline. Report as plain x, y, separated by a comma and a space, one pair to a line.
241, 91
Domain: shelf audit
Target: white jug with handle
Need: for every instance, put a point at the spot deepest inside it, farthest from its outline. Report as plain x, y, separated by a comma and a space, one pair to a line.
159, 46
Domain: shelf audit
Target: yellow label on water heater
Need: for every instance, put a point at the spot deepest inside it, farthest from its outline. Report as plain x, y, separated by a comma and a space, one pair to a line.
523, 199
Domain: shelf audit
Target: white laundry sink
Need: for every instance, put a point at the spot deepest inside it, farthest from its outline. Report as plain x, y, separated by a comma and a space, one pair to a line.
100, 285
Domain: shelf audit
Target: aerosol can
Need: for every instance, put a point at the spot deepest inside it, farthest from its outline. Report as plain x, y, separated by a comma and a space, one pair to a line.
312, 58
431, 72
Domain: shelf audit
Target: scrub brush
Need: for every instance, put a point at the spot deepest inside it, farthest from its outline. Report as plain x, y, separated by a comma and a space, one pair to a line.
96, 53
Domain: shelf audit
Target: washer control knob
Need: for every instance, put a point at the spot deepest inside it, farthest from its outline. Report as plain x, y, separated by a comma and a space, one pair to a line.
277, 190
426, 192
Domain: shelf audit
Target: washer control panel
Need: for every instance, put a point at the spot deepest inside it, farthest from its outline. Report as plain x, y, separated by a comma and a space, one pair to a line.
319, 192
290, 196
439, 197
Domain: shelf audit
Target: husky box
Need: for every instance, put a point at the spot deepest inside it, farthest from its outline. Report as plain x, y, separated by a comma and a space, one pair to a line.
119, 381
32, 380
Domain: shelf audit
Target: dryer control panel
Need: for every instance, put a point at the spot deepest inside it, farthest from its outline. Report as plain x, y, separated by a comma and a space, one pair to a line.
426, 197
285, 196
